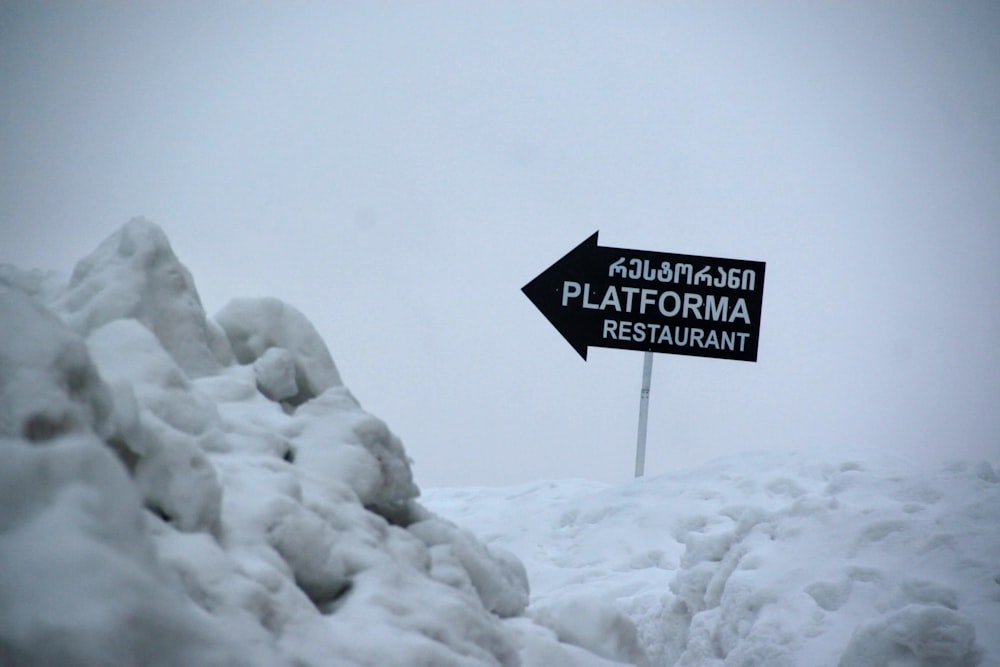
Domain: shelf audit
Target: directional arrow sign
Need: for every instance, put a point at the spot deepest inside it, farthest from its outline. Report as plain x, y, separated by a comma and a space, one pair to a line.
652, 301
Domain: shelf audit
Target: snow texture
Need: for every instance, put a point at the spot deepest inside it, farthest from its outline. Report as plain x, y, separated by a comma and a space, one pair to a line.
178, 490
48, 384
851, 560
256, 327
135, 274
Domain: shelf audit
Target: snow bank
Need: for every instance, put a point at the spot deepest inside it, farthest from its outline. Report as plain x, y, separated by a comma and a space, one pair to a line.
176, 490
767, 559
81, 584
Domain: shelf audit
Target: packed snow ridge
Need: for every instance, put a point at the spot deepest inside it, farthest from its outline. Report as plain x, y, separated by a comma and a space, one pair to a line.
180, 490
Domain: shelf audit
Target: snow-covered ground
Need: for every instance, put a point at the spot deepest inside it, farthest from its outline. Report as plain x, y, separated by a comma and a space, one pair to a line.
769, 559
178, 489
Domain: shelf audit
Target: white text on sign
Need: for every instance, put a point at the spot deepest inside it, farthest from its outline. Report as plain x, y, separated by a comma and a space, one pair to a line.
668, 303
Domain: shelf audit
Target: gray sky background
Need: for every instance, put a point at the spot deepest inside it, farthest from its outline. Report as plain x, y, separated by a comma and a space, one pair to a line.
397, 171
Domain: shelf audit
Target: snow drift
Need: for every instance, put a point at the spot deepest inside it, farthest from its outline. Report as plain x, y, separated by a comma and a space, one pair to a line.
183, 490
769, 559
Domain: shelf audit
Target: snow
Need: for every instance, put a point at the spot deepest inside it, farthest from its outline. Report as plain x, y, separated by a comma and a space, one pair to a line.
180, 489
814, 558
185, 490
49, 385
255, 327
135, 274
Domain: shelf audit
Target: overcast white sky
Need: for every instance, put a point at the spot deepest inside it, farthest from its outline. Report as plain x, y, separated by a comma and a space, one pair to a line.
397, 171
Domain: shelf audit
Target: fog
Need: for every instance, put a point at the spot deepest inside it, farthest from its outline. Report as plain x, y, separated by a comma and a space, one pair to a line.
398, 171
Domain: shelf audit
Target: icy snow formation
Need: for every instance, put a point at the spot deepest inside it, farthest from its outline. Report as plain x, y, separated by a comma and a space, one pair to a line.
178, 490
766, 560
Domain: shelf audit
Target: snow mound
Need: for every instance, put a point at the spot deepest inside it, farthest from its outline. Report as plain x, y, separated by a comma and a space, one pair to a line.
176, 491
496, 576
257, 327
761, 560
135, 274
48, 384
167, 428
81, 582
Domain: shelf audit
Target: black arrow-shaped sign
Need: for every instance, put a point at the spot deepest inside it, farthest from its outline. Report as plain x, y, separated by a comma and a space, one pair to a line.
652, 301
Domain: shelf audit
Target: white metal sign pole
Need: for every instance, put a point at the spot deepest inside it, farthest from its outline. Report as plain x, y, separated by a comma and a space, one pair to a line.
640, 445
